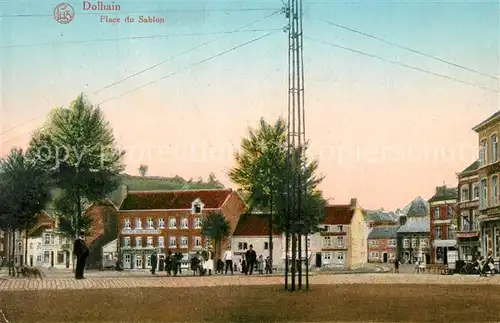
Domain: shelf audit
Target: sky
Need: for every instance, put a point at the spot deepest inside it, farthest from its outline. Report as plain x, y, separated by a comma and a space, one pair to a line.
383, 133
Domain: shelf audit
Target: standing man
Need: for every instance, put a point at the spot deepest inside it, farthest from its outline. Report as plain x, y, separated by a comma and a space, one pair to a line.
251, 257
154, 262
228, 259
82, 252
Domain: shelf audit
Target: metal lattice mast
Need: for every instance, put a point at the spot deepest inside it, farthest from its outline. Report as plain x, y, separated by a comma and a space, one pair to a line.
296, 134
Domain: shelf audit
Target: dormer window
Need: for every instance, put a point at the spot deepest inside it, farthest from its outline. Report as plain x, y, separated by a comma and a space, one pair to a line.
197, 207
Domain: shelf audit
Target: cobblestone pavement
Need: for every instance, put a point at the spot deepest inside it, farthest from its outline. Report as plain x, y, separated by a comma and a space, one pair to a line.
162, 281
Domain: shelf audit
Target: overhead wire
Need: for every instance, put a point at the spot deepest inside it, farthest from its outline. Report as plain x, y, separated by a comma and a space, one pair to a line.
402, 64
184, 52
409, 49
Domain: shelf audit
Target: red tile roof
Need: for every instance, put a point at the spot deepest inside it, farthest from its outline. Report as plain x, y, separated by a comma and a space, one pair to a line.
338, 214
168, 200
253, 225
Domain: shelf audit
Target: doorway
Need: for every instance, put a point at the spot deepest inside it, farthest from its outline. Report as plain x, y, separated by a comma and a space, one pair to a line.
384, 257
31, 261
318, 260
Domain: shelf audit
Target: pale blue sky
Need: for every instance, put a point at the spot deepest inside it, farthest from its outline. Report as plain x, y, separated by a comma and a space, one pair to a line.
351, 99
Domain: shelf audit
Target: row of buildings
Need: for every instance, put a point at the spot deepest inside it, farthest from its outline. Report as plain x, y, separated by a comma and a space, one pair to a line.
455, 222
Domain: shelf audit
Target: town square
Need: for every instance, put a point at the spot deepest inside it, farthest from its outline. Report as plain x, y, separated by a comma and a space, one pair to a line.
250, 161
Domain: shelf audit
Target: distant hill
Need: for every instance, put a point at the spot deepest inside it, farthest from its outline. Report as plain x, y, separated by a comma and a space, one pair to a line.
151, 183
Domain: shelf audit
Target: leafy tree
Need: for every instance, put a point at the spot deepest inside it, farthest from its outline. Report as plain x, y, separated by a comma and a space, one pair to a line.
25, 192
215, 226
78, 145
260, 169
212, 181
143, 169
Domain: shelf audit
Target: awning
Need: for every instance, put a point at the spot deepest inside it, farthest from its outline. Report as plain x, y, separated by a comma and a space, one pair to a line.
445, 243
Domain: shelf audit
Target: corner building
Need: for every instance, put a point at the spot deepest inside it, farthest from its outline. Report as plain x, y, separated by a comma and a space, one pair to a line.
170, 220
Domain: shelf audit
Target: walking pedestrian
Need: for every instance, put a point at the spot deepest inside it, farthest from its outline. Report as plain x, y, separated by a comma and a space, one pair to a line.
396, 265
228, 259
82, 252
154, 262
251, 258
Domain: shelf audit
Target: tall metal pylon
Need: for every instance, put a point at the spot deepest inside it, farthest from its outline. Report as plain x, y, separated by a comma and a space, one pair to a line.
295, 139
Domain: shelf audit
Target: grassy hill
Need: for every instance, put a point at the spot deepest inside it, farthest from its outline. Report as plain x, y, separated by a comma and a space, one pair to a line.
150, 183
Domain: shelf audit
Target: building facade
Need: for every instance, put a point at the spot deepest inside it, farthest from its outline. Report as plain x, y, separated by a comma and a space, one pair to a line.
382, 244
253, 230
3, 247
413, 233
467, 211
342, 242
442, 227
171, 220
488, 174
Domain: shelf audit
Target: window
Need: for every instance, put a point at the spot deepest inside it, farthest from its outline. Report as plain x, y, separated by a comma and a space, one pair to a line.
340, 256
126, 224
340, 242
393, 243
47, 239
172, 223
373, 242
245, 246
482, 152
161, 242
496, 252
31, 245
423, 243
39, 246
436, 213
138, 224
340, 228
197, 208
494, 148
240, 245
327, 242
449, 212
437, 233
450, 233
406, 243
138, 242
197, 242
184, 223
148, 261
266, 245
161, 223
197, 223
126, 242
373, 255
172, 242
464, 222
149, 242
494, 191
39, 258
464, 196
327, 255
414, 243
482, 198
46, 257
208, 243
184, 242
326, 228
475, 192
150, 223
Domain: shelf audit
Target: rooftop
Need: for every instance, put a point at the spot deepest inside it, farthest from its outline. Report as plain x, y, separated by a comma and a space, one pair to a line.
389, 232
415, 225
338, 214
470, 169
444, 193
253, 225
179, 200
488, 121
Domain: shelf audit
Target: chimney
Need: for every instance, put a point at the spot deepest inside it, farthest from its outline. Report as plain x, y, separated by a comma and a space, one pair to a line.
354, 202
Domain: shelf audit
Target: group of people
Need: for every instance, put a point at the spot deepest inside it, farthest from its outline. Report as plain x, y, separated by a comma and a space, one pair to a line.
248, 262
172, 263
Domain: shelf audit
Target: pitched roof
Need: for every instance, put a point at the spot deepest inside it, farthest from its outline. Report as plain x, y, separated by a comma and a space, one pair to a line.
380, 216
485, 123
471, 168
444, 193
415, 225
417, 208
168, 200
383, 232
338, 214
253, 225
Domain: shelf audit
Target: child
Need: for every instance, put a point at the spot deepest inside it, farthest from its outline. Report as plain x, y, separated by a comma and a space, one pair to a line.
260, 264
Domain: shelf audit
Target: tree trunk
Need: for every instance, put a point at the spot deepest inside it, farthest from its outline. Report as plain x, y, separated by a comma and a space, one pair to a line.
78, 217
271, 235
294, 260
299, 270
13, 252
307, 262
287, 246
10, 236
26, 247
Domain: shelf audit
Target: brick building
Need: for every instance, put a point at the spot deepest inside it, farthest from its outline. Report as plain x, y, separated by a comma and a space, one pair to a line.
488, 174
467, 211
382, 244
442, 232
413, 233
170, 220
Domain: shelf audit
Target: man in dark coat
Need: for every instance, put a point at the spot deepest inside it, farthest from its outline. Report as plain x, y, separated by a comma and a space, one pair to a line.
251, 258
82, 252
154, 262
